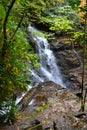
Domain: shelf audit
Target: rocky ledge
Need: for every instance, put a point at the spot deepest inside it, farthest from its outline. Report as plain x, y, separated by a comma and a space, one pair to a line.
50, 107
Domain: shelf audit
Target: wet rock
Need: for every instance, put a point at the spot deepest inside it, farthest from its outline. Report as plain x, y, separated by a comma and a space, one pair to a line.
45, 93
68, 63
40, 95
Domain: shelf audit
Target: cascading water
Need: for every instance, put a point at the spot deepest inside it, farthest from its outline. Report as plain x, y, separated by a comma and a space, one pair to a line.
48, 70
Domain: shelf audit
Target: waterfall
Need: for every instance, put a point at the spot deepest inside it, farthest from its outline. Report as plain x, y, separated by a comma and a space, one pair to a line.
48, 70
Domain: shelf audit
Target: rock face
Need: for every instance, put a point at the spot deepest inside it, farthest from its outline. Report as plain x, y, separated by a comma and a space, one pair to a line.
68, 63
47, 91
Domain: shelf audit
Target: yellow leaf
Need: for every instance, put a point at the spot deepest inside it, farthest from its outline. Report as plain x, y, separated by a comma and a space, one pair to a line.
7, 30
15, 70
27, 58
8, 65
75, 123
10, 88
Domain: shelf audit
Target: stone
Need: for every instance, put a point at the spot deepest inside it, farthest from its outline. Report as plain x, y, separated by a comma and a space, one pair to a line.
35, 125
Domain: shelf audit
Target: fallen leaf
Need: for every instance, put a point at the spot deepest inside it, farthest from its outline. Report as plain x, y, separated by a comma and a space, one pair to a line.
75, 123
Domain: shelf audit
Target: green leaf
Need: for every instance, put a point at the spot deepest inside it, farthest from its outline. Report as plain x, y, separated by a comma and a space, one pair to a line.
2, 11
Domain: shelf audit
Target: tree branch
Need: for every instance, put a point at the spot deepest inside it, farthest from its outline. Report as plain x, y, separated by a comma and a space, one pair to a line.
17, 27
77, 55
4, 47
6, 19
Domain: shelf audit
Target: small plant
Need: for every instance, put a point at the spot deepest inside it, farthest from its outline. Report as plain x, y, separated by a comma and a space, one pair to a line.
8, 112
44, 106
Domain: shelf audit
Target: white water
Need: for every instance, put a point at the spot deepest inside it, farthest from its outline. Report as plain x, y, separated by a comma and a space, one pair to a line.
48, 70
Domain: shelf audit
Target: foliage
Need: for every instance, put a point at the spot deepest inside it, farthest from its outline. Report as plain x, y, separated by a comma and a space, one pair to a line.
49, 13
77, 37
60, 18
62, 24
74, 3
7, 114
2, 14
41, 108
16, 55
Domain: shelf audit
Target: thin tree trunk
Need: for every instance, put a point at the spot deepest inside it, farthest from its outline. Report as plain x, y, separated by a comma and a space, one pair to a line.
4, 47
17, 26
6, 19
83, 90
